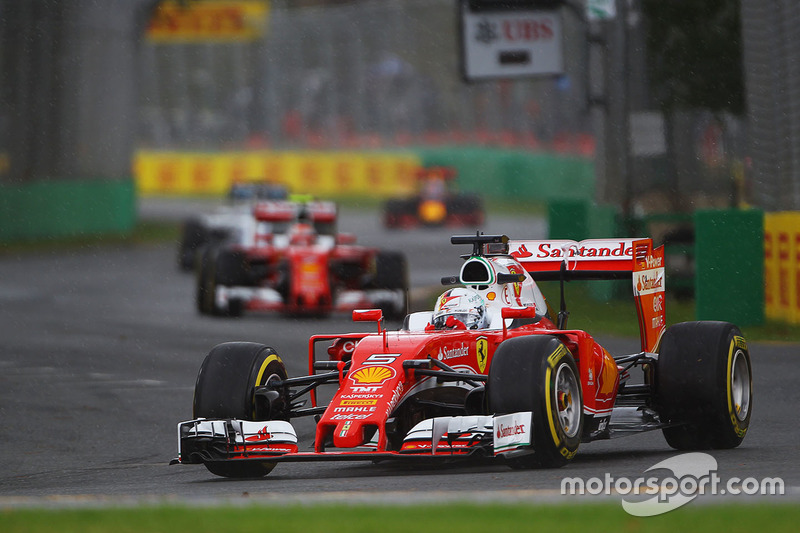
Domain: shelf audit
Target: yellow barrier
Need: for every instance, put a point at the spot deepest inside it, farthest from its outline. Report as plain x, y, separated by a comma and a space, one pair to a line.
175, 21
782, 266
323, 174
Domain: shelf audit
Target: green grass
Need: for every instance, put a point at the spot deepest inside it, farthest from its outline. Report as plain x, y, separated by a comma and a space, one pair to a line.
144, 232
346, 518
617, 316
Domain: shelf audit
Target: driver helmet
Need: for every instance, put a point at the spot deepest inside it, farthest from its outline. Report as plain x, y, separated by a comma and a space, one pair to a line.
302, 234
464, 305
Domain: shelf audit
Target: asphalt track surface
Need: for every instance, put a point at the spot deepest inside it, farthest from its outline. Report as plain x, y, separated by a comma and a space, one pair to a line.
101, 346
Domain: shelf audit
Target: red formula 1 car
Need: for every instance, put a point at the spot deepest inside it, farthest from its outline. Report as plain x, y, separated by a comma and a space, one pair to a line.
436, 203
293, 261
489, 372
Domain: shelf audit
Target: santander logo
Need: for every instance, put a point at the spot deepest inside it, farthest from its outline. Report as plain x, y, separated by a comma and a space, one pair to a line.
590, 249
508, 431
645, 283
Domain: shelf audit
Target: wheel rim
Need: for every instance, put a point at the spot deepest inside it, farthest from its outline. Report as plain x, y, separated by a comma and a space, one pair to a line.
567, 400
740, 385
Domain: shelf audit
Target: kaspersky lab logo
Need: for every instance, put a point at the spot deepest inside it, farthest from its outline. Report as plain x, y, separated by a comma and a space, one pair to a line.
692, 475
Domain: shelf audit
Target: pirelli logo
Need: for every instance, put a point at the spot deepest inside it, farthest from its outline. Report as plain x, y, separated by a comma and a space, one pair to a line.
740, 342
357, 402
559, 352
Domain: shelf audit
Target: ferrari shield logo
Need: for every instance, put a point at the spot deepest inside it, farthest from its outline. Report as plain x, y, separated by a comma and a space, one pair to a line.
482, 351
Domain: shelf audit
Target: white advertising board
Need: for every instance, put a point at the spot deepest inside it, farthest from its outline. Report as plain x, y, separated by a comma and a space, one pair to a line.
511, 43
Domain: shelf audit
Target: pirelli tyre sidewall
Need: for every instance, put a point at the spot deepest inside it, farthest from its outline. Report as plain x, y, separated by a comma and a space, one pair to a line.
538, 374
704, 385
225, 388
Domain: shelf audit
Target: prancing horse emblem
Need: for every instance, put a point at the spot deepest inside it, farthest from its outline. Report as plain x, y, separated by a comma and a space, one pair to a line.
482, 350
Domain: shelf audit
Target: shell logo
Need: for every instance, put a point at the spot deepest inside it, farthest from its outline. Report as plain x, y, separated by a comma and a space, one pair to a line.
372, 375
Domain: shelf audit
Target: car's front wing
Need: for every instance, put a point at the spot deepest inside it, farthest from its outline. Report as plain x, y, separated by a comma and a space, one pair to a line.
207, 440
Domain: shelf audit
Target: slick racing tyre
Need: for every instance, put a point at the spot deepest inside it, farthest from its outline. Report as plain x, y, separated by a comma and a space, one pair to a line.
704, 385
206, 293
538, 374
219, 267
230, 271
391, 273
466, 209
398, 212
194, 236
225, 388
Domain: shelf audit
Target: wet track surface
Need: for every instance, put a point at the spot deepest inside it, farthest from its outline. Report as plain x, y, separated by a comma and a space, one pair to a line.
101, 346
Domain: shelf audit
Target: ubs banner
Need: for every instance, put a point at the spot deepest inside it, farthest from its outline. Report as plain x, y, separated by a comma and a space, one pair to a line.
508, 43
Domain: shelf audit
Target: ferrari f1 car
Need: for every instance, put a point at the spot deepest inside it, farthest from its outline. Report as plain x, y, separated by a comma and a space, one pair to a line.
293, 261
490, 372
435, 204
227, 222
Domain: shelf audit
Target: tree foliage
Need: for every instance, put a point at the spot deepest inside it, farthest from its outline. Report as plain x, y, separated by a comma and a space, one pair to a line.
695, 53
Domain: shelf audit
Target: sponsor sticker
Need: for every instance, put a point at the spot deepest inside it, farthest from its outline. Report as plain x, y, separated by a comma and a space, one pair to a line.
649, 281
349, 416
358, 402
451, 352
512, 431
372, 375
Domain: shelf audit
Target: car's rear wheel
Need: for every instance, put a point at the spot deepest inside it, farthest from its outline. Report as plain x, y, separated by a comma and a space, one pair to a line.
538, 374
206, 285
467, 208
704, 385
398, 211
231, 270
225, 388
194, 236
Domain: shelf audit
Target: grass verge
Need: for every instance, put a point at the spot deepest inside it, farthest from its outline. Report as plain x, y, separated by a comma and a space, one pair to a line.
617, 315
464, 518
144, 232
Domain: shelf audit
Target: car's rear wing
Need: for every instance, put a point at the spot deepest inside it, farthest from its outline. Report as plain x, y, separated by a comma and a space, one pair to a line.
588, 259
289, 211
633, 259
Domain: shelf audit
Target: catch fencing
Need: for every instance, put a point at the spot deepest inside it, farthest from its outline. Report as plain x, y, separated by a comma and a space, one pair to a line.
367, 74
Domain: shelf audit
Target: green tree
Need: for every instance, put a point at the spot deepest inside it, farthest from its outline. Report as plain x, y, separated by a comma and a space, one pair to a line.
695, 53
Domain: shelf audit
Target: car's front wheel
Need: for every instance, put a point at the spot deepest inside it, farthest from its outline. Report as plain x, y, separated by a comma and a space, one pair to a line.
225, 388
538, 374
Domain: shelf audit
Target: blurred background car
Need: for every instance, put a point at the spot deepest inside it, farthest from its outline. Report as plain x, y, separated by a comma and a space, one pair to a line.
296, 263
232, 221
435, 203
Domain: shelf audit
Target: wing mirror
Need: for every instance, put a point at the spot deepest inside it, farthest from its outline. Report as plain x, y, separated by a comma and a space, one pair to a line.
372, 315
516, 312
